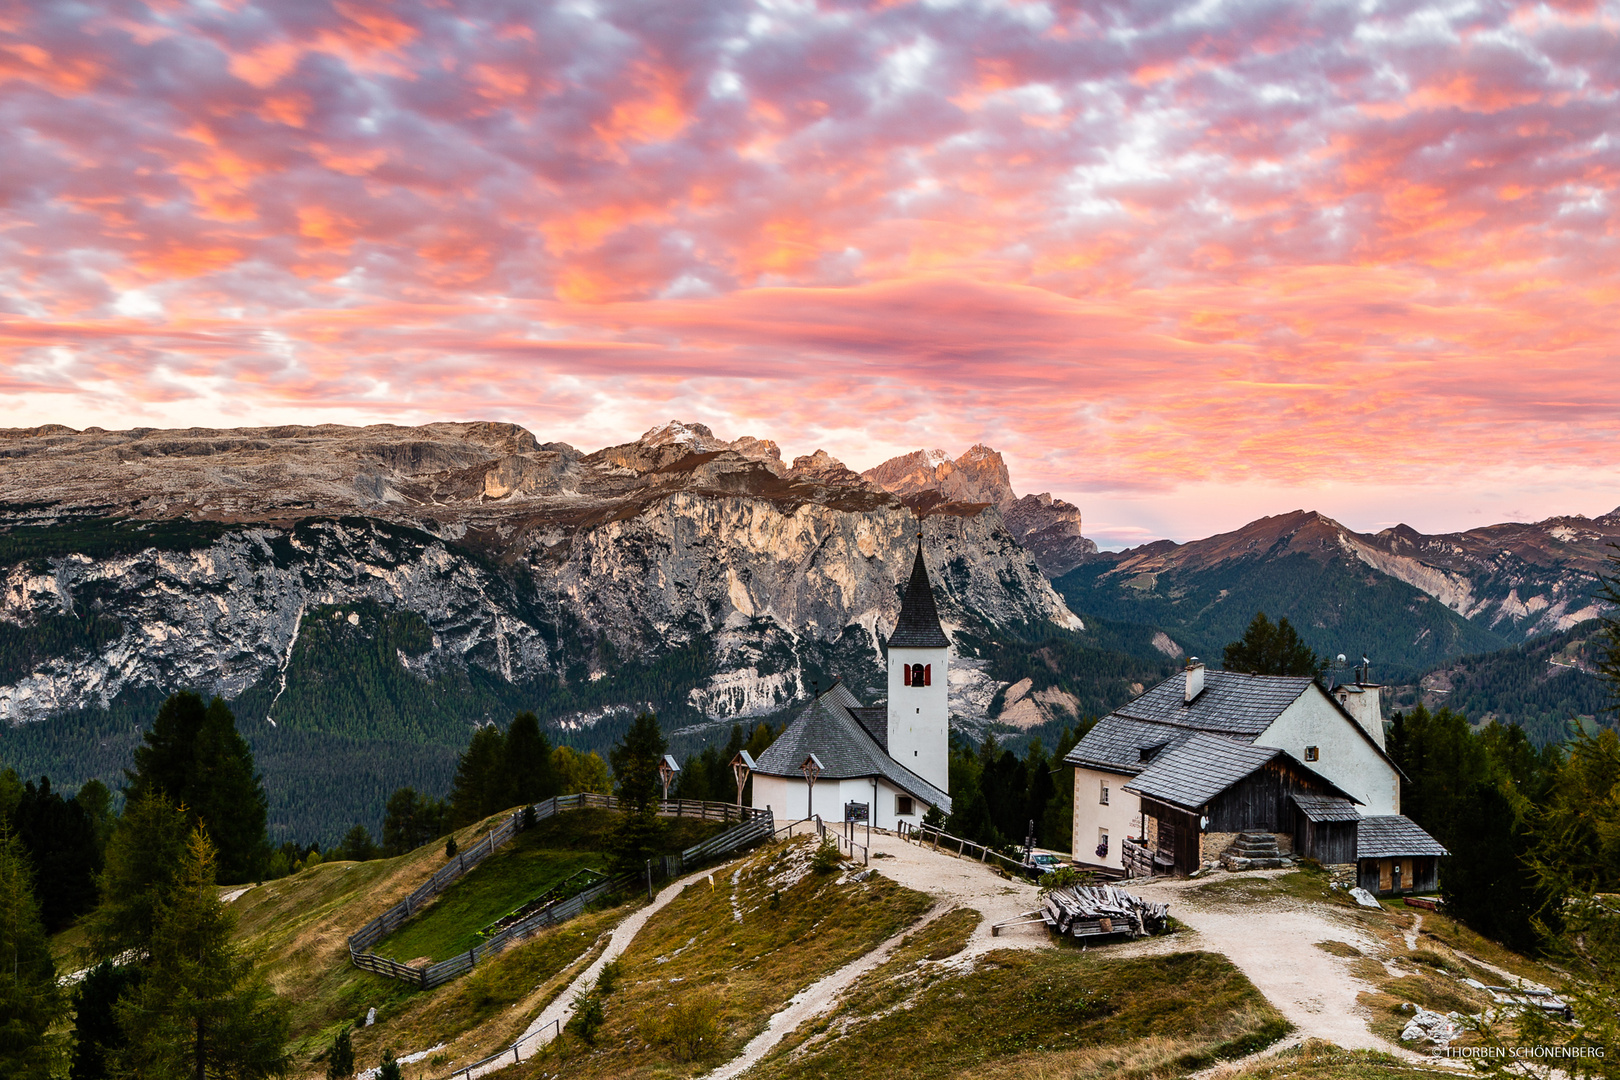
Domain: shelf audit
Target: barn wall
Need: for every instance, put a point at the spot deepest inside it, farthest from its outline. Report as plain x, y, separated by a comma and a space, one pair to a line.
1260, 801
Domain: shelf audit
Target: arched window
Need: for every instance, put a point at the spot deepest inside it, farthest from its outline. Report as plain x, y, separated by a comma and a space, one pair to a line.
919, 675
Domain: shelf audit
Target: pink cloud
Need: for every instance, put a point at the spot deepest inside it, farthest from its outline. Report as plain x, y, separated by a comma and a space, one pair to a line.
1277, 243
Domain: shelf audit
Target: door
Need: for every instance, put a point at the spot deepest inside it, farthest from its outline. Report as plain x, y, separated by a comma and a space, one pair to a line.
1384, 875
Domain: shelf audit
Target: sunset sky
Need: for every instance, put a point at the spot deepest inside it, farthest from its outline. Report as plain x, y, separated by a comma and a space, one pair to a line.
1182, 264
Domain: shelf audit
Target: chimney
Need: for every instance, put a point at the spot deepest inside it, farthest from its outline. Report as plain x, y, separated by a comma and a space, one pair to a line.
1195, 679
1363, 701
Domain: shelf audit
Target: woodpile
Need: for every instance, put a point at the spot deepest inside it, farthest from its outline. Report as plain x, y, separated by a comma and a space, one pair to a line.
1100, 910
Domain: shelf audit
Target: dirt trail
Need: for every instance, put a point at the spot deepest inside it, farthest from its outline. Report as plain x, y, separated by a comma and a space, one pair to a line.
1274, 944
953, 883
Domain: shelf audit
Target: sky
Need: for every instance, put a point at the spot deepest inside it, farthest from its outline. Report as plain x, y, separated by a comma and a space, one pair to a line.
1184, 265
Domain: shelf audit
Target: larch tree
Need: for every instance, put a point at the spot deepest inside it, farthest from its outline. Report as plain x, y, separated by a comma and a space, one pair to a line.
199, 1010
30, 1001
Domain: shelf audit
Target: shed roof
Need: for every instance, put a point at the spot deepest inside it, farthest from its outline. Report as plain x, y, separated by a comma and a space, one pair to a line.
1199, 769
918, 625
829, 729
1321, 808
1394, 835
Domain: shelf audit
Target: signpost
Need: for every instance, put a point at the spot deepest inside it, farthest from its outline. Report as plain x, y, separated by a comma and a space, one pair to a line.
854, 814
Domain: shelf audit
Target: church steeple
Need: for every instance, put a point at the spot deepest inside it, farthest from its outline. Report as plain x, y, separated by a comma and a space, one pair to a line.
918, 626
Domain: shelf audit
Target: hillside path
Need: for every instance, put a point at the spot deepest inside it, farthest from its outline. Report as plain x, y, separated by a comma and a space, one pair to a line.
561, 1009
953, 883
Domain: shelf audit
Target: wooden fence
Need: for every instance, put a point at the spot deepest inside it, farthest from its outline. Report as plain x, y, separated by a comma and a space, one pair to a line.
753, 827
941, 840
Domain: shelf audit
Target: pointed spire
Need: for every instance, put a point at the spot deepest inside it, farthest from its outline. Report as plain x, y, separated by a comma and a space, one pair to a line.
918, 626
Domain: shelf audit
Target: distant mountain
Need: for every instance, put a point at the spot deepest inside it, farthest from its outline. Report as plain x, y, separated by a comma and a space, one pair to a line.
1541, 685
365, 595
1049, 528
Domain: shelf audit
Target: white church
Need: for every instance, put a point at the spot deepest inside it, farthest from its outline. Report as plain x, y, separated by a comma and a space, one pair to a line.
892, 759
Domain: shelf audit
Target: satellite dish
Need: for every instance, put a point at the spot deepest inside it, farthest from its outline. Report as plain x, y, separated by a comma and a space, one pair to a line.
1341, 658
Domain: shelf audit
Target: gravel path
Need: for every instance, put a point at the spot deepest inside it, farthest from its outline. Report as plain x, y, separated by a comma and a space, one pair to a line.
1274, 944
953, 883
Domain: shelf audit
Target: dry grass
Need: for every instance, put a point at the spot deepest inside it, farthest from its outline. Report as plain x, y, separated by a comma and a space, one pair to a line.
1338, 948
1018, 1013
1318, 1060
793, 930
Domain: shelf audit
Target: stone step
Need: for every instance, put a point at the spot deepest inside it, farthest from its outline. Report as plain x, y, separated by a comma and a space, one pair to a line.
1252, 850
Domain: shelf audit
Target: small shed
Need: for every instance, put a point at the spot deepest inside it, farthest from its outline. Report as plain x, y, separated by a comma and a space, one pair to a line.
1325, 827
1394, 855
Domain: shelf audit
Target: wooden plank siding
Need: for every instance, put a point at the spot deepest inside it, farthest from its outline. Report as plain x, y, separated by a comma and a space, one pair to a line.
1330, 843
1178, 834
1259, 802
1417, 874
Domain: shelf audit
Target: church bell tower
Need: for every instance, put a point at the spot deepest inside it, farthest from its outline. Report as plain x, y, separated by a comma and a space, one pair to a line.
919, 708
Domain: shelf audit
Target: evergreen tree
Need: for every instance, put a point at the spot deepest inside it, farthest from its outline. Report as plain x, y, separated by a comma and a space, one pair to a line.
96, 802
30, 1001
527, 765
1271, 649
95, 1028
199, 1011
412, 820
340, 1059
61, 840
194, 756
635, 778
389, 1069
481, 778
358, 845
142, 859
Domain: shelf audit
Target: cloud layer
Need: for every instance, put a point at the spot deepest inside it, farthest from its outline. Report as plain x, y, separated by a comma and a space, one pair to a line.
1135, 246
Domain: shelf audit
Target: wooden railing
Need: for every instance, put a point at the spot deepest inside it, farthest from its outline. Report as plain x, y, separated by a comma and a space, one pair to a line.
753, 827
944, 841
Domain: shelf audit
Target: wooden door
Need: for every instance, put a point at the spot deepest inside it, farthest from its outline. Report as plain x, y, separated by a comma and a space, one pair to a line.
1384, 875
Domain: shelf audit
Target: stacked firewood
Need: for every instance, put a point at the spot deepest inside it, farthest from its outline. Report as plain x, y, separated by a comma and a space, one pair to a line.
1086, 910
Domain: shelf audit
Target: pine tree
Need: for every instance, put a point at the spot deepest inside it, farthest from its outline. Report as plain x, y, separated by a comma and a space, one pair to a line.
61, 840
30, 1001
194, 756
340, 1060
527, 764
1271, 649
358, 845
199, 1010
95, 1028
412, 820
636, 782
143, 857
480, 785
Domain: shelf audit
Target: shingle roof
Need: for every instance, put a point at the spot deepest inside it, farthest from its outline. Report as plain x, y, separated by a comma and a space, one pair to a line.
1394, 835
1325, 807
1116, 743
875, 719
1231, 703
918, 626
828, 728
1199, 769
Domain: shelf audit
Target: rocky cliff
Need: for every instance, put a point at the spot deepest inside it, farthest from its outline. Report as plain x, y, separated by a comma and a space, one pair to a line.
527, 561
1048, 528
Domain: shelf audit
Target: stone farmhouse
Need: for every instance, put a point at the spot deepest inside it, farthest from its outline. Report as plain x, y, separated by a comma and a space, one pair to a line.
1213, 764
891, 762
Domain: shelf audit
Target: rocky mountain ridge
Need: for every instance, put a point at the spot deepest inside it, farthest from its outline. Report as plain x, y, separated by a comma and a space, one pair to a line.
1048, 527
1516, 579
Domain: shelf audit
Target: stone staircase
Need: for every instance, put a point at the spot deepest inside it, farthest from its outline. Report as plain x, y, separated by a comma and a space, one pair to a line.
1254, 851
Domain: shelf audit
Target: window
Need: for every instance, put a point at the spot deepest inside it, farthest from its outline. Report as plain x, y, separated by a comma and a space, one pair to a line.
1146, 754
1102, 843
1312, 753
1104, 799
902, 804
919, 674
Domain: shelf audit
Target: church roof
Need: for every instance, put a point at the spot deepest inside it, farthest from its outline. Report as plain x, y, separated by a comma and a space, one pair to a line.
918, 626
829, 728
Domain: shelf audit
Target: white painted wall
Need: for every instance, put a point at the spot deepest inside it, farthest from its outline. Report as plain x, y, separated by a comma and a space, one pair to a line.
919, 717
1345, 758
1122, 816
787, 800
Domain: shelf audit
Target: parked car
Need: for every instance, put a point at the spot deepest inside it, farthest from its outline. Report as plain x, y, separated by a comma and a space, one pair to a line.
1044, 862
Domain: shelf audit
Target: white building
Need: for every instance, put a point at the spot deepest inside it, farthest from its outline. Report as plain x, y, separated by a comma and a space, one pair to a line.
1336, 736
893, 759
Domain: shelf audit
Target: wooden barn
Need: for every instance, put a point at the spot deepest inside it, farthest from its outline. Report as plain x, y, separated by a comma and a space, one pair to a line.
1394, 855
1213, 786
1325, 828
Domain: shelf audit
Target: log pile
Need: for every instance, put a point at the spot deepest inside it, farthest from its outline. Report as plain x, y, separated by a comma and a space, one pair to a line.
1100, 910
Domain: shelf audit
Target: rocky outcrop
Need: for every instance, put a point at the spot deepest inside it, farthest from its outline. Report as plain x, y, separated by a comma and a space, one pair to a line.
528, 561
1049, 528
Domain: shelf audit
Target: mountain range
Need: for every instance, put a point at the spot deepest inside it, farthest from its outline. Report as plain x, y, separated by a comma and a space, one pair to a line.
363, 596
